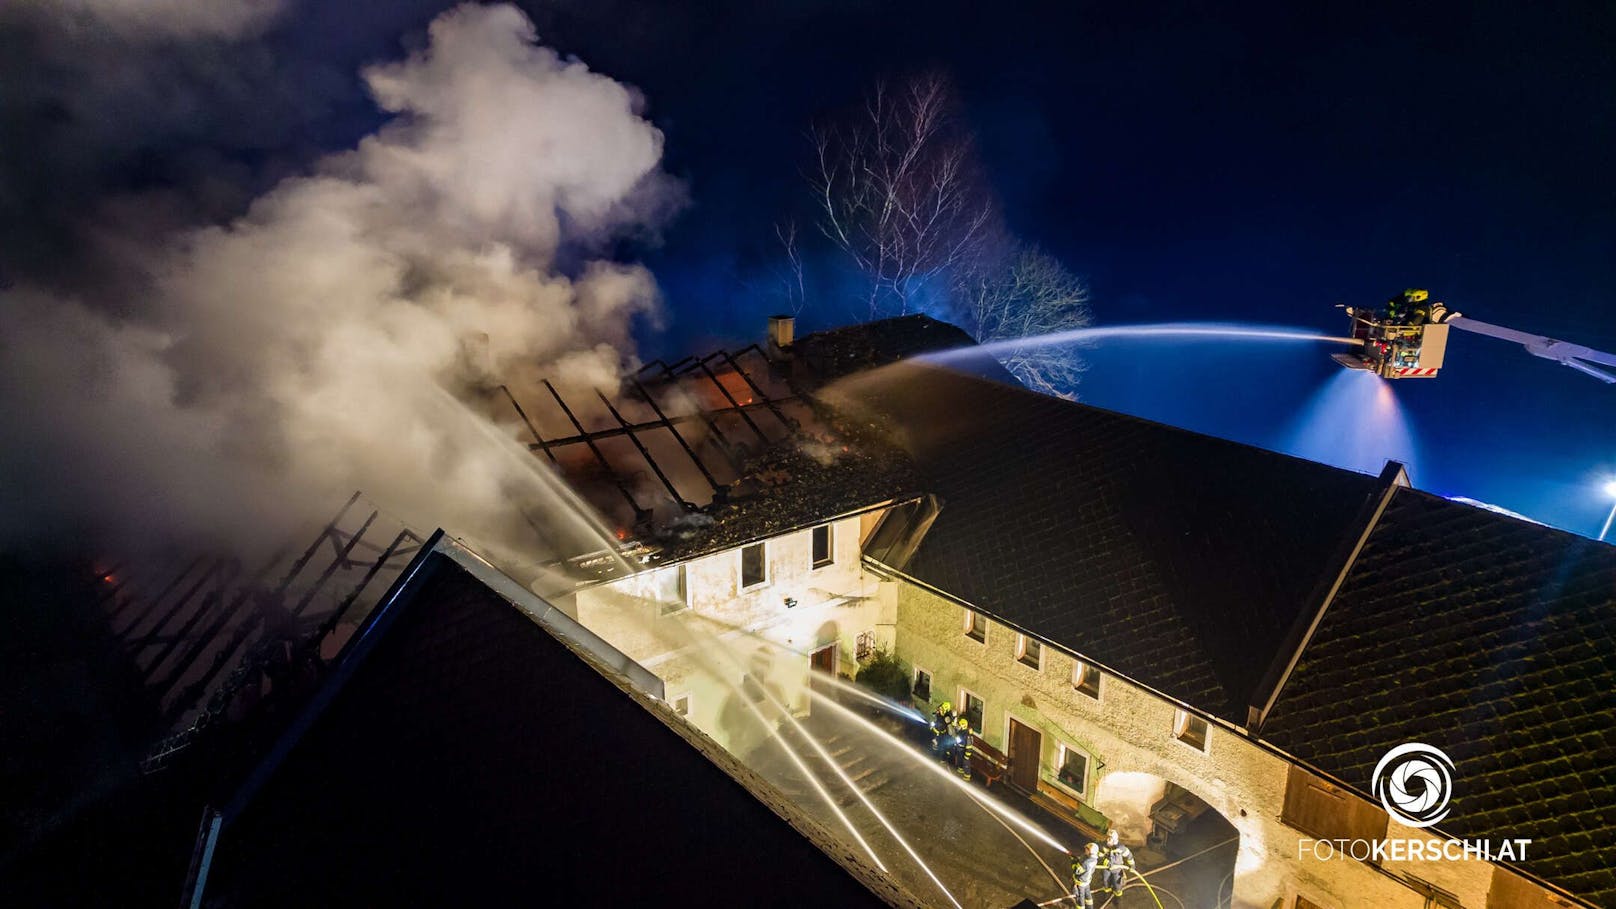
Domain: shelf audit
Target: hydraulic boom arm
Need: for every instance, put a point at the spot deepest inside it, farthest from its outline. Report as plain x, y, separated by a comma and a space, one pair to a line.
1573, 355
1408, 339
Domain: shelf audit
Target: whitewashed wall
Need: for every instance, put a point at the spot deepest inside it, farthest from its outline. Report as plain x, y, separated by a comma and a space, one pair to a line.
724, 632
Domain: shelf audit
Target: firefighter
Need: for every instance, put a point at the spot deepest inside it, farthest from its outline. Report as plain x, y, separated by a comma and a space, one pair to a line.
961, 758
1117, 860
942, 726
1409, 307
1083, 876
1394, 310
1418, 308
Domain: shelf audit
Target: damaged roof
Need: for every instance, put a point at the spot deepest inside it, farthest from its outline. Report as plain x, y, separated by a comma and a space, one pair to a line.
712, 452
1493, 639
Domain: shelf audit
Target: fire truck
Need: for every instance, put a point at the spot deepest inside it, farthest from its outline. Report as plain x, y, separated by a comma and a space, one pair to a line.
1407, 338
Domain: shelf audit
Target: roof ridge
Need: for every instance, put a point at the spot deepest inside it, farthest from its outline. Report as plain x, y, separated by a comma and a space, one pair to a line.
1135, 418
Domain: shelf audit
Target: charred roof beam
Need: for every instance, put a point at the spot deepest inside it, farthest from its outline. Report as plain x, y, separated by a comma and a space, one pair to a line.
529, 423
588, 438
789, 424
731, 399
679, 437
646, 454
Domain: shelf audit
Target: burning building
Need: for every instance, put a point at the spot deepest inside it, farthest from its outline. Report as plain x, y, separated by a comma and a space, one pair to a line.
1147, 625
1148, 630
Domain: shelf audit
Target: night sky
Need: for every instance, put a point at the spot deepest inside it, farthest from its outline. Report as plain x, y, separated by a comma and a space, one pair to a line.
1193, 162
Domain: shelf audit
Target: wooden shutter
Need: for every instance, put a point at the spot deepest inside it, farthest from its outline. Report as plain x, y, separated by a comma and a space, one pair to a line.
1511, 891
1326, 811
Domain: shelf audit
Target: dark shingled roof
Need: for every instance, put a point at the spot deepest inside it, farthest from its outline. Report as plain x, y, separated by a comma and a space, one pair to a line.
1180, 559
1495, 640
840, 352
473, 758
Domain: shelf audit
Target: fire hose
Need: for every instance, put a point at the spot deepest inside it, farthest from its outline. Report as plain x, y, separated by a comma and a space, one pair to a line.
1061, 899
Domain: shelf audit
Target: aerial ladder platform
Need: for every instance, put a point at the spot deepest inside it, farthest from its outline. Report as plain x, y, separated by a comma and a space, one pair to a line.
1408, 339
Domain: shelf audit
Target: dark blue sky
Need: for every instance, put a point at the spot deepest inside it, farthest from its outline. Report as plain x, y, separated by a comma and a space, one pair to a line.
1195, 163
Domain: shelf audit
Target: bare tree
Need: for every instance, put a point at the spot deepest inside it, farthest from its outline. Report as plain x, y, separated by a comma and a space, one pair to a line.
898, 190
791, 277
1029, 295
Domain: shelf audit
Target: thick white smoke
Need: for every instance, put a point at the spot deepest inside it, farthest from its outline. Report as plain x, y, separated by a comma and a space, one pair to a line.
319, 343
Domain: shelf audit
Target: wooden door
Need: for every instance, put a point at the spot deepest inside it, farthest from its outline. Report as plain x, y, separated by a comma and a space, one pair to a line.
1026, 750
823, 660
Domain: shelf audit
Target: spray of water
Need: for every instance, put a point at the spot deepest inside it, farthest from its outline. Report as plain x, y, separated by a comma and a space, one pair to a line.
1354, 422
716, 656
830, 761
980, 798
1167, 330
710, 645
560, 525
908, 713
813, 780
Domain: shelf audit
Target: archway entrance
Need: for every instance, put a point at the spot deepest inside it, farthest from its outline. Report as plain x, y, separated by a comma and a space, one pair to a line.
1183, 846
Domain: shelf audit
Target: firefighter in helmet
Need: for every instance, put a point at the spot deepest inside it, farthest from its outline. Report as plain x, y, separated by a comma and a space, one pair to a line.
1419, 306
942, 726
1083, 868
1116, 859
1409, 307
961, 756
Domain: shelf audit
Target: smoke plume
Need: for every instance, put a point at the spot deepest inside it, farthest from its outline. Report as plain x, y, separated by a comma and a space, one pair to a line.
340, 334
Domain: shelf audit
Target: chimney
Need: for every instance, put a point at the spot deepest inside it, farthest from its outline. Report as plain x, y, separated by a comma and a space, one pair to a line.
782, 333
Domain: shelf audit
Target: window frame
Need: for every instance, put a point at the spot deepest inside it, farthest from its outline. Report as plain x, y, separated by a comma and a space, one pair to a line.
1060, 762
1081, 673
683, 602
814, 561
914, 682
971, 617
1184, 721
762, 547
1023, 645
964, 710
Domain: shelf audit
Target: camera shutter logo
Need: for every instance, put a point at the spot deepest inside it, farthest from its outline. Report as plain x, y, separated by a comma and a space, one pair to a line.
1414, 782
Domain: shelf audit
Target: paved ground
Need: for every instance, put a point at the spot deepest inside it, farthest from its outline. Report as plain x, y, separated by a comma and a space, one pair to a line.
981, 861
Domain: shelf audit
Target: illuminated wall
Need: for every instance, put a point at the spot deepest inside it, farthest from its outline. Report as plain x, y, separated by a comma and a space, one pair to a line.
1129, 736
727, 638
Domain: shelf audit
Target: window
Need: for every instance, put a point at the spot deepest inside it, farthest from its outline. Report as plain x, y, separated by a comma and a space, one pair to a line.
1303, 902
1028, 651
1073, 769
1086, 678
672, 590
824, 554
976, 626
971, 709
681, 705
1190, 729
754, 568
922, 687
864, 646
